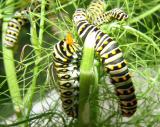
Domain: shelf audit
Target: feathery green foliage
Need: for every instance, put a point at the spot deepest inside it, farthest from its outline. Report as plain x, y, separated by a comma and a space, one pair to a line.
138, 37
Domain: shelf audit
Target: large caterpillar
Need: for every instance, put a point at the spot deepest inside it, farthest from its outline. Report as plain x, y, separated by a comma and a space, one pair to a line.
112, 58
19, 19
67, 54
96, 13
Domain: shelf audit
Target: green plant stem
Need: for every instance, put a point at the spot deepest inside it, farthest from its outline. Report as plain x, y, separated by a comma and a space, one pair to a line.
41, 31
37, 44
17, 124
30, 92
145, 14
10, 70
136, 33
86, 79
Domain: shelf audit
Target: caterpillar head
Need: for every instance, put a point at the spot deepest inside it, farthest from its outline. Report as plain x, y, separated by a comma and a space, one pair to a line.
79, 15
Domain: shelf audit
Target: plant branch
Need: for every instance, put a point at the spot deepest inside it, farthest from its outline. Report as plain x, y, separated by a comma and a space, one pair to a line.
149, 12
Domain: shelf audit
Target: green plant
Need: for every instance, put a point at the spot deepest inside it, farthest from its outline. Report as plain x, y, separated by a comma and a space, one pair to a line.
138, 38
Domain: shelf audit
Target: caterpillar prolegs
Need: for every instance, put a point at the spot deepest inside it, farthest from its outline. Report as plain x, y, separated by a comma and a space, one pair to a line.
113, 61
66, 61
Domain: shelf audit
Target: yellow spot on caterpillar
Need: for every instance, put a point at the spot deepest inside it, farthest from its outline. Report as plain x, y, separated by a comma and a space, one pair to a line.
100, 48
119, 65
106, 56
105, 42
111, 67
71, 49
64, 49
56, 64
124, 78
69, 39
68, 54
65, 60
98, 37
97, 53
80, 29
113, 52
64, 65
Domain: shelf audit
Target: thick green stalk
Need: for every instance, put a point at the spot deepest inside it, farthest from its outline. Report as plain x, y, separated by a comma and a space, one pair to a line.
86, 80
10, 70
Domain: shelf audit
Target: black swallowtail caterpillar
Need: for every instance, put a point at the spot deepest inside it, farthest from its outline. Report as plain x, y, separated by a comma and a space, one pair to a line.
66, 57
96, 13
17, 21
14, 26
112, 58
95, 8
108, 16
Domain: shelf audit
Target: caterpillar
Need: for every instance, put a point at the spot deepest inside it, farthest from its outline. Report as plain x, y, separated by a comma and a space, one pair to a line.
108, 16
96, 13
17, 21
113, 61
14, 26
95, 8
66, 57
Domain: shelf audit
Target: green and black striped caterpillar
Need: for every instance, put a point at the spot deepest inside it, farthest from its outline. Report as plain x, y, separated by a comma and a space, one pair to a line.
14, 26
113, 61
66, 62
97, 15
95, 9
19, 19
108, 16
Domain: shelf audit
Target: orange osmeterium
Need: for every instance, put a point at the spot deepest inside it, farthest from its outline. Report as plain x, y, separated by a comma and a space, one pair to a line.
69, 39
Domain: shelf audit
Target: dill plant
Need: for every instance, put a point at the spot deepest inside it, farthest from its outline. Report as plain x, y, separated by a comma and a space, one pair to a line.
138, 38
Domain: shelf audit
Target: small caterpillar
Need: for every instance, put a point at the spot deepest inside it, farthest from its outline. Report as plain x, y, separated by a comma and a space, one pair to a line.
66, 58
14, 26
95, 8
109, 16
17, 21
113, 61
96, 13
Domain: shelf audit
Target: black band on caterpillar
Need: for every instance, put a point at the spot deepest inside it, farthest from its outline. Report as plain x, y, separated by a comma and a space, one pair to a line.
66, 63
112, 58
